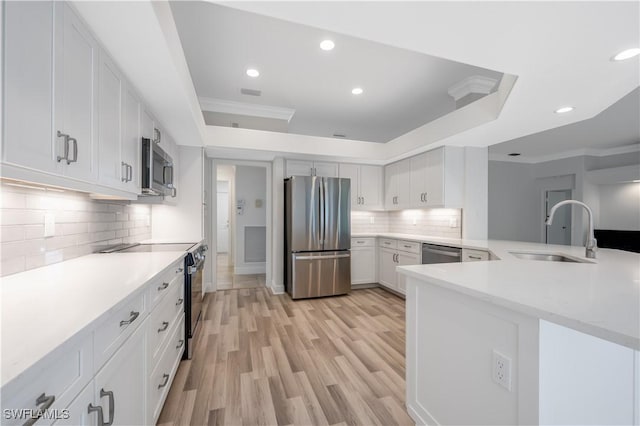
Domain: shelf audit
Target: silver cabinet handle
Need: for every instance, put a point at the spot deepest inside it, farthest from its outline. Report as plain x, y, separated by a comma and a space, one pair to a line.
180, 344
180, 270
179, 302
131, 319
165, 325
475, 257
422, 197
174, 192
425, 197
362, 200
46, 402
163, 286
165, 378
112, 405
129, 172
75, 151
360, 242
125, 177
387, 243
157, 135
98, 408
66, 147
406, 246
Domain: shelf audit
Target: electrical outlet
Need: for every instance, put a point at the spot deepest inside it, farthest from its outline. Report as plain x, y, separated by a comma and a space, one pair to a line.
501, 371
372, 220
49, 224
453, 222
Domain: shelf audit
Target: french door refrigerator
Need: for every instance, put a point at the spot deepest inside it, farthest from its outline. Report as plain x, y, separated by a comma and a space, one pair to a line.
317, 236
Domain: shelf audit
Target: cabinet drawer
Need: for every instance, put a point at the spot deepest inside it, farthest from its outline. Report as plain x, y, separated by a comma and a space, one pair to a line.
112, 332
161, 286
362, 242
51, 383
409, 246
470, 255
388, 243
162, 320
163, 374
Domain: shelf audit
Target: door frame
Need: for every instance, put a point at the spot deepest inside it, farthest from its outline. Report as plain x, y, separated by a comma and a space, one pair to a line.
228, 217
544, 230
268, 206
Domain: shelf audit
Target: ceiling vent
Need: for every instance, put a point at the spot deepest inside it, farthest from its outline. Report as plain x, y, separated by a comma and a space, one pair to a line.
235, 125
339, 135
471, 89
251, 92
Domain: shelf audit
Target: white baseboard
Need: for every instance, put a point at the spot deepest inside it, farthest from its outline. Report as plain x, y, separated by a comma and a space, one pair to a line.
276, 288
251, 269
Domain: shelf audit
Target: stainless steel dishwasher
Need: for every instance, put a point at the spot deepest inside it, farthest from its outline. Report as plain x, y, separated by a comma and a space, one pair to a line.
432, 253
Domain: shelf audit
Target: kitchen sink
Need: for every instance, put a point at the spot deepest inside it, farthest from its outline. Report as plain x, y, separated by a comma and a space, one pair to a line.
549, 257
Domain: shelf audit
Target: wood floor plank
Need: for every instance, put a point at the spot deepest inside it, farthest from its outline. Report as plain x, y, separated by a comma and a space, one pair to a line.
264, 359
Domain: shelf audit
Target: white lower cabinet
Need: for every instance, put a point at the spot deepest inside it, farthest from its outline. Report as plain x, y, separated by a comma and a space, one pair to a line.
387, 267
77, 413
394, 253
120, 384
363, 261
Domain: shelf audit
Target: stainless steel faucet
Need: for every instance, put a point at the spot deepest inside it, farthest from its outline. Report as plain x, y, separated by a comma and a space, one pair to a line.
591, 245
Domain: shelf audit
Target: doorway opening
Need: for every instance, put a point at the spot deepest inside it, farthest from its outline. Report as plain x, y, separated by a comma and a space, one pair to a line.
241, 225
560, 231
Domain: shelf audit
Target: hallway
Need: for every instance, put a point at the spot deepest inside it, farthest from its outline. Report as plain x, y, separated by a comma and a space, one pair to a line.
227, 280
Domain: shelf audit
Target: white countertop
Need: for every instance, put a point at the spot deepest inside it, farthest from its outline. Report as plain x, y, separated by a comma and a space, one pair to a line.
601, 298
44, 307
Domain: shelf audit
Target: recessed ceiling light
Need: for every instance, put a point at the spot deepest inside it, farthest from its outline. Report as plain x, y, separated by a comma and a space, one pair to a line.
564, 109
252, 72
357, 91
627, 54
327, 45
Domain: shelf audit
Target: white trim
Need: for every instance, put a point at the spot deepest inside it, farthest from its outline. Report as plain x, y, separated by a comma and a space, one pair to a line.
591, 152
244, 108
473, 84
276, 288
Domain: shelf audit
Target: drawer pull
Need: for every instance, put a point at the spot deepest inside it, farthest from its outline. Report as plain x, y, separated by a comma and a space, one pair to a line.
360, 242
98, 408
406, 246
180, 344
475, 257
165, 325
165, 380
46, 402
179, 302
387, 243
163, 286
112, 404
131, 319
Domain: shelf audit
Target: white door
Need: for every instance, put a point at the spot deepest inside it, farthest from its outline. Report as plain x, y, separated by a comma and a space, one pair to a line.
76, 94
79, 413
418, 180
387, 267
405, 259
370, 185
28, 90
404, 183
390, 185
560, 231
351, 171
111, 170
223, 216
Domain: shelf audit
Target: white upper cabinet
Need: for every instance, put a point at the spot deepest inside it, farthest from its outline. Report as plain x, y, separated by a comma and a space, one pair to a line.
76, 94
311, 168
112, 170
28, 89
131, 142
366, 185
398, 185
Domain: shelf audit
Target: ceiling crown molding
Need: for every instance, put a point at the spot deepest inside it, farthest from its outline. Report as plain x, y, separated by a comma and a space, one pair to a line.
242, 108
473, 84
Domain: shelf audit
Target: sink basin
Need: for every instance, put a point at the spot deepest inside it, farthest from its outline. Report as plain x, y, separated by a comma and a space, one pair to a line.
549, 257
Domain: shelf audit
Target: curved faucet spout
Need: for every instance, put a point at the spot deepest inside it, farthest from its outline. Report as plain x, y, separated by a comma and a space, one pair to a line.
591, 244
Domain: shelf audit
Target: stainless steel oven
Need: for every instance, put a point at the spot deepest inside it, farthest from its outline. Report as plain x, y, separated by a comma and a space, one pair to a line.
157, 170
194, 270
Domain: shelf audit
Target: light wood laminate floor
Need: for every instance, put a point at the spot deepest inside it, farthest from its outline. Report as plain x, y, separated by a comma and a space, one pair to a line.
263, 359
227, 280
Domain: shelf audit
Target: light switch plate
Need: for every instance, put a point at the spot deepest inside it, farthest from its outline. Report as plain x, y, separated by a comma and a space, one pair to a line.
49, 224
453, 222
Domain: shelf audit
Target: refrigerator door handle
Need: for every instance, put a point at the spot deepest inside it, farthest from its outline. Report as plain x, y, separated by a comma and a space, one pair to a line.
332, 256
323, 211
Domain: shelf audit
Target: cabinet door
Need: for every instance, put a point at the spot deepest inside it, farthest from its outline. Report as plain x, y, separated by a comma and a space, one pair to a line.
124, 375
325, 169
111, 171
390, 185
404, 183
435, 177
418, 180
363, 265
28, 90
76, 65
371, 186
405, 259
352, 171
131, 138
299, 168
147, 124
387, 267
79, 409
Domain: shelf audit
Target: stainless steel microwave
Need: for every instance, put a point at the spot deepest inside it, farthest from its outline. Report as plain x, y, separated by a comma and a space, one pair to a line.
157, 170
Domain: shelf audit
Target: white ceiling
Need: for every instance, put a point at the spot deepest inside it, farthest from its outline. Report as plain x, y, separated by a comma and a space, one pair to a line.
615, 127
402, 89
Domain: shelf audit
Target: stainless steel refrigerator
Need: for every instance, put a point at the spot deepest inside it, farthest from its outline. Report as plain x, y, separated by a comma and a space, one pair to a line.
317, 236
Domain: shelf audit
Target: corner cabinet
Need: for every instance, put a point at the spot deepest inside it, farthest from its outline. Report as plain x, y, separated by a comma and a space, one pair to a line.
366, 186
432, 179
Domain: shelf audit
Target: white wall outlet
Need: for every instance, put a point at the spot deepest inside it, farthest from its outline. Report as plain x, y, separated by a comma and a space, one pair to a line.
501, 370
49, 224
453, 222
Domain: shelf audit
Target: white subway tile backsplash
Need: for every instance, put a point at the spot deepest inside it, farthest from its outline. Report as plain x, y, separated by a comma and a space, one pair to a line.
81, 224
431, 222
